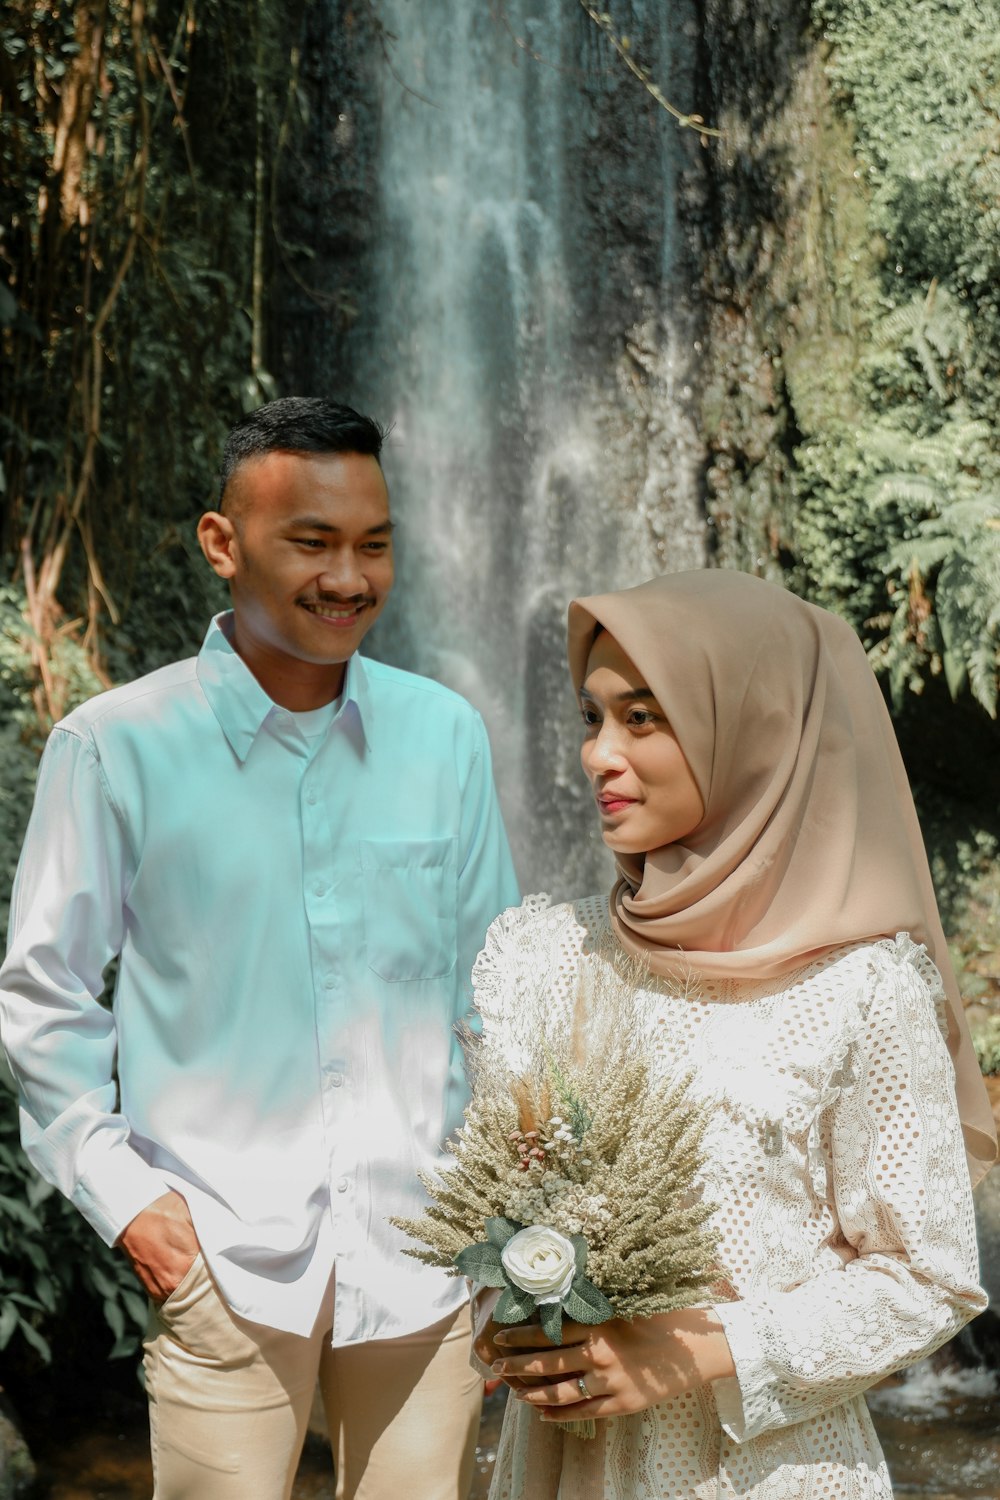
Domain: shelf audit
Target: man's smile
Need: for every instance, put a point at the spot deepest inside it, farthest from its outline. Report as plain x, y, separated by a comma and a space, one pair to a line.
336, 614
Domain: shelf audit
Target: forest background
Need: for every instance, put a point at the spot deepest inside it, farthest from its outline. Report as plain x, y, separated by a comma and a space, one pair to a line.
849, 258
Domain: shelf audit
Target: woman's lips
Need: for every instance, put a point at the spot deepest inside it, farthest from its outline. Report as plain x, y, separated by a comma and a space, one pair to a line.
611, 802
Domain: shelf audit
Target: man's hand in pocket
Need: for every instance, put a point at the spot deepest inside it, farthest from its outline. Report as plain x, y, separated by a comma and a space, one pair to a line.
161, 1244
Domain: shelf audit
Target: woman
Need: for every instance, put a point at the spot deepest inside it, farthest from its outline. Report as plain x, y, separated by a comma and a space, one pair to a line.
772, 876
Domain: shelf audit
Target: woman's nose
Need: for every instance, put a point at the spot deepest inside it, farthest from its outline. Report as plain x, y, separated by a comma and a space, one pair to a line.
604, 751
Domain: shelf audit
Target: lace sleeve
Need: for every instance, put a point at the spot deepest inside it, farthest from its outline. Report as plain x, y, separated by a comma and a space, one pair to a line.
491, 971
904, 1203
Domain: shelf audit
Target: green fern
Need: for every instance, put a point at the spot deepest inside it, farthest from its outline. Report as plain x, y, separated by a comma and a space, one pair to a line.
954, 564
930, 325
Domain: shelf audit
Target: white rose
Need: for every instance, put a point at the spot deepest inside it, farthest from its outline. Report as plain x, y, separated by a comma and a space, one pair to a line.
541, 1261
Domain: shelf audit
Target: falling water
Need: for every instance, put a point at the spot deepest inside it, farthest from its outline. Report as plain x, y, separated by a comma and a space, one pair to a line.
526, 335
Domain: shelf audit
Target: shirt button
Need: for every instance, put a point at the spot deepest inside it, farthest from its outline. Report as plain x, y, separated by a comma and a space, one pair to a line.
336, 1079
329, 982
312, 795
319, 888
343, 1185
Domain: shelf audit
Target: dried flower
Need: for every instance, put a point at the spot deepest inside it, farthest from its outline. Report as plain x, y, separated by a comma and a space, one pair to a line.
571, 1130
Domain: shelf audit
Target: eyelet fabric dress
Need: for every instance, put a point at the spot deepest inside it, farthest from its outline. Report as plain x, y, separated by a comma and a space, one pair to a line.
834, 1154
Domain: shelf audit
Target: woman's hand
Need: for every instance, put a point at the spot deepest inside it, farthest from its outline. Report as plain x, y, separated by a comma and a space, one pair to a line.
484, 1332
624, 1365
484, 1338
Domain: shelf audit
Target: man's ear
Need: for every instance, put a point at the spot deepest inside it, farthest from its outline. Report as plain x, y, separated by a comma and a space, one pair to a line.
217, 539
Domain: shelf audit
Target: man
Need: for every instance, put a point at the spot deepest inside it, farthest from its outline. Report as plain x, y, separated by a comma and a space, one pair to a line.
296, 854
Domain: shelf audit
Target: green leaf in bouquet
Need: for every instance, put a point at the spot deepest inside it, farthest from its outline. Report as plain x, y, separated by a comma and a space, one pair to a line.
580, 1247
499, 1231
551, 1317
584, 1303
482, 1263
514, 1306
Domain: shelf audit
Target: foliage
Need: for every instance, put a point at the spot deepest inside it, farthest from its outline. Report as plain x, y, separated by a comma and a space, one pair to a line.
898, 520
852, 375
132, 314
20, 711
854, 286
963, 844
986, 1041
50, 1257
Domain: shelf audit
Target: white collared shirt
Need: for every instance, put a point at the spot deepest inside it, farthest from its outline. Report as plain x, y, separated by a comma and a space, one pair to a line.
296, 920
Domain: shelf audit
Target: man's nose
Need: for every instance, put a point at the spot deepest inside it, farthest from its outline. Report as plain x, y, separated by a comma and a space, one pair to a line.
342, 574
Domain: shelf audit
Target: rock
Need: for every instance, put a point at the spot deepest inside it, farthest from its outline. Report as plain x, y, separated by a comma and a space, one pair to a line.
17, 1469
987, 1200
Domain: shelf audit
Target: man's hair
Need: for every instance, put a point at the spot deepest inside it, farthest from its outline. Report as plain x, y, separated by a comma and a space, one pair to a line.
299, 424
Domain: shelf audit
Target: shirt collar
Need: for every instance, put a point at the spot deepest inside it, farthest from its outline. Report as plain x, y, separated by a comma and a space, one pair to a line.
236, 697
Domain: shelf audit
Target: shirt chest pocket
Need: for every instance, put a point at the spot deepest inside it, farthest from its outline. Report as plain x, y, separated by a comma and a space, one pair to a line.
411, 907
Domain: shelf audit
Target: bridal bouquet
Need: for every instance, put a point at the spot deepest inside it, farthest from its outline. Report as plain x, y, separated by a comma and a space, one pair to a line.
573, 1184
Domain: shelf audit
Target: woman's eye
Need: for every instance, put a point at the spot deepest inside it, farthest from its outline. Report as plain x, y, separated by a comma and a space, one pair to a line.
589, 715
641, 718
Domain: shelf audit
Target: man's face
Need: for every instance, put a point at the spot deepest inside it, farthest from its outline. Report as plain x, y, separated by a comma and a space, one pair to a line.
309, 558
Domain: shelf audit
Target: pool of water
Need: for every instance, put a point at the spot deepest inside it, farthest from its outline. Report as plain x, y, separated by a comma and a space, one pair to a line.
940, 1429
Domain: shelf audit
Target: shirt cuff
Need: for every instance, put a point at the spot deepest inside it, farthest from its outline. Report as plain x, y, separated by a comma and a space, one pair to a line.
745, 1402
115, 1187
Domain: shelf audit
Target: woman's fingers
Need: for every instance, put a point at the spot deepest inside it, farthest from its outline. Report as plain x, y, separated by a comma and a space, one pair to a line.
523, 1349
532, 1336
558, 1361
568, 1392
522, 1336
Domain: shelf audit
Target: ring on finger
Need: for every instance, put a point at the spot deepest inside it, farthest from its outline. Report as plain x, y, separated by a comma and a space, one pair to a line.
581, 1386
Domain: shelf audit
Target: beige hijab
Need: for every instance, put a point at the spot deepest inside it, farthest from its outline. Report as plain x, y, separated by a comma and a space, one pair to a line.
809, 838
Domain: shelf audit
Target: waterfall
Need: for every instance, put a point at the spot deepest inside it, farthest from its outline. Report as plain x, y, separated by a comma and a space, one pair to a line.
522, 321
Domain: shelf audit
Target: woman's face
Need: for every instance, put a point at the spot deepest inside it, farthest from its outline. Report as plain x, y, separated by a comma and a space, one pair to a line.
646, 794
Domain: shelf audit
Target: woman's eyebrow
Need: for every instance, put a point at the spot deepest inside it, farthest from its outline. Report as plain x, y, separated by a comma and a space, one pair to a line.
628, 696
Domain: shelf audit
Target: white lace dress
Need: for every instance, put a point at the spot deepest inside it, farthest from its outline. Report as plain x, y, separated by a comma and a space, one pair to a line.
845, 1216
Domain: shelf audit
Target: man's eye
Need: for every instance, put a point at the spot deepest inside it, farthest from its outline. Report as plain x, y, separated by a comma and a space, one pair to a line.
308, 541
376, 546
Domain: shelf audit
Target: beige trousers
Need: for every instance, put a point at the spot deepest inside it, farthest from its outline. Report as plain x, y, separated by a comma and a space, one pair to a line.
229, 1401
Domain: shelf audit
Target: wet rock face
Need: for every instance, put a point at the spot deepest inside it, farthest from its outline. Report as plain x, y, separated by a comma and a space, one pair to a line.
327, 213
17, 1469
783, 218
985, 1331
